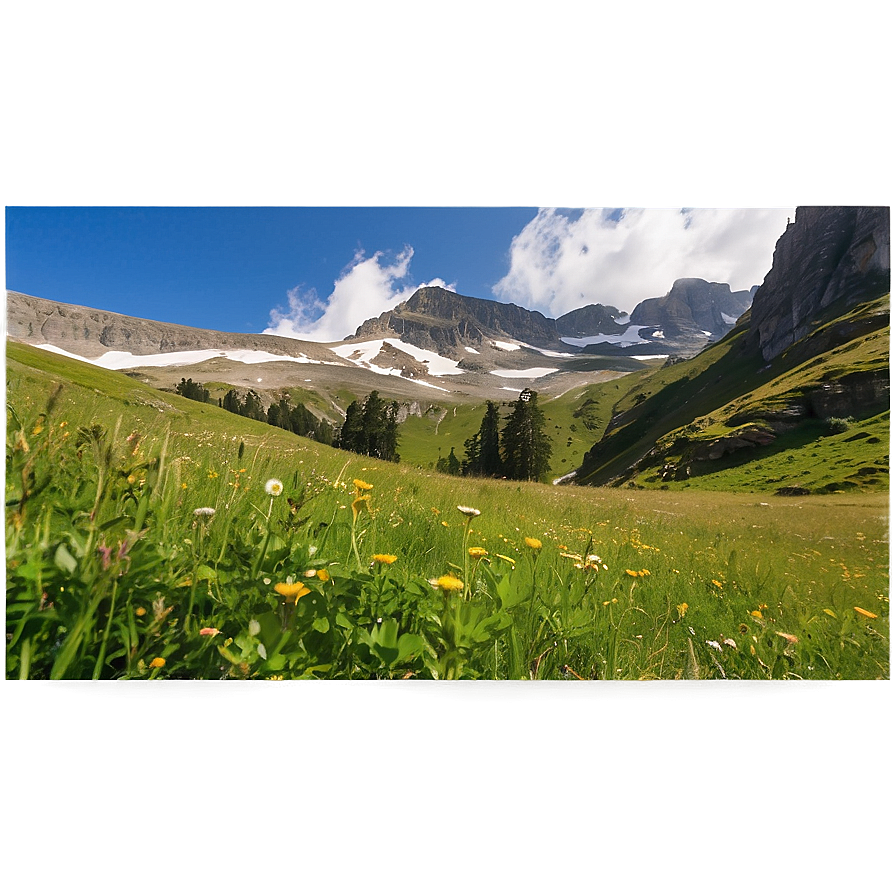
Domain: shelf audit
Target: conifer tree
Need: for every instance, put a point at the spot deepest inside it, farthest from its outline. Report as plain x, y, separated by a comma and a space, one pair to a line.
525, 446
483, 455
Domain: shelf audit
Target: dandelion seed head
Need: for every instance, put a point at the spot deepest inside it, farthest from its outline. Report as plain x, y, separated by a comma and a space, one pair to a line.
204, 511
273, 487
470, 512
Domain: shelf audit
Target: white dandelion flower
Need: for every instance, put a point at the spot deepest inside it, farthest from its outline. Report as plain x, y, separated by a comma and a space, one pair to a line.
468, 511
273, 487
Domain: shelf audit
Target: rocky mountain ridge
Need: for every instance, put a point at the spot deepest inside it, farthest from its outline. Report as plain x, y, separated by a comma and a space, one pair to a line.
827, 255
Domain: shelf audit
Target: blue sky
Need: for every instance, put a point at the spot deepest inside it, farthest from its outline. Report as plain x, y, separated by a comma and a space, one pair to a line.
320, 272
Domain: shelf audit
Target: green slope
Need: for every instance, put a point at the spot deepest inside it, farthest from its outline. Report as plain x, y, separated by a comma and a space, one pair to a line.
680, 426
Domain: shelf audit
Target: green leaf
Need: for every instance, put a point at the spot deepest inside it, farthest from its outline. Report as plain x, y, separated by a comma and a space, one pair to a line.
64, 560
321, 625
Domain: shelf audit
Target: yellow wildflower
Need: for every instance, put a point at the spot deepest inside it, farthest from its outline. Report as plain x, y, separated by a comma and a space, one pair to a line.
867, 613
358, 503
291, 590
323, 575
533, 543
477, 552
157, 663
756, 613
388, 559
140, 611
682, 609
717, 583
362, 486
449, 583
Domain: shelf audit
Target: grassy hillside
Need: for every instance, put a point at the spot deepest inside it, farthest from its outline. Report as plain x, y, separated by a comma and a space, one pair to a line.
112, 572
726, 419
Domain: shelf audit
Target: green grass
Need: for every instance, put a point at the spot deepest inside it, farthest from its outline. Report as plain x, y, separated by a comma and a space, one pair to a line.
109, 569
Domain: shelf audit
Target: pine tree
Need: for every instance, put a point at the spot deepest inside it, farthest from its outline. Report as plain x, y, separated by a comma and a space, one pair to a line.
483, 455
351, 436
525, 446
232, 402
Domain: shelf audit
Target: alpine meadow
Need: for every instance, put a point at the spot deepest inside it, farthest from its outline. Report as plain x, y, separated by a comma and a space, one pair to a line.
464, 488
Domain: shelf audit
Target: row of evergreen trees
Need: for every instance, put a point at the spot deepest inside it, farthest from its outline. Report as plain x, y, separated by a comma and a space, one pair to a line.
520, 449
371, 428
297, 419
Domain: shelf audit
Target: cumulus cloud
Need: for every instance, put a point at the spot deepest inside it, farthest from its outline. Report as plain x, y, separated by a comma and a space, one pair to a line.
366, 288
561, 261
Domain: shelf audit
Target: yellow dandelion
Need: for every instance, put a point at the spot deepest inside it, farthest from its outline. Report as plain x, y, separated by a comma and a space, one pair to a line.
717, 583
682, 609
183, 485
291, 590
633, 573
867, 613
449, 583
533, 543
756, 613
157, 663
323, 575
477, 552
362, 486
212, 475
445, 523
140, 611
388, 559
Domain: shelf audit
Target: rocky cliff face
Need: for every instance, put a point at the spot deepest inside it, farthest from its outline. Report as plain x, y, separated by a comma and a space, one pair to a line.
439, 320
589, 320
692, 306
90, 333
830, 255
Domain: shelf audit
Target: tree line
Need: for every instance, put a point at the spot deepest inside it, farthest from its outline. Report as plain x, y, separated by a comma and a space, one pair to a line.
371, 428
282, 413
517, 449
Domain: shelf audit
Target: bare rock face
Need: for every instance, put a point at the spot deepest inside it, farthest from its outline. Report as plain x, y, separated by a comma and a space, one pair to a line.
590, 319
693, 305
90, 332
829, 255
443, 321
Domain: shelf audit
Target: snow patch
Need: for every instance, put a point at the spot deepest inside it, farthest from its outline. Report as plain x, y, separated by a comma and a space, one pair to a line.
657, 334
529, 373
126, 360
506, 346
729, 319
363, 353
472, 351
629, 337
648, 357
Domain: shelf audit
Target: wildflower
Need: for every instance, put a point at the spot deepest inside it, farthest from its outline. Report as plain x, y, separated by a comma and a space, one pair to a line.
449, 583
184, 486
445, 523
533, 543
273, 487
388, 559
362, 486
157, 663
212, 475
717, 583
204, 511
140, 611
867, 613
291, 590
323, 575
791, 639
756, 613
358, 503
211, 632
476, 553
469, 512
682, 609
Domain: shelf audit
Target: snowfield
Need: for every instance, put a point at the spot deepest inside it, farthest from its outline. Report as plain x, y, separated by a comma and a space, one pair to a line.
528, 373
363, 353
126, 360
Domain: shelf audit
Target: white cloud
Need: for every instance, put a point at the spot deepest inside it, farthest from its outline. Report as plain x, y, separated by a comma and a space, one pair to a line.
558, 263
366, 288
